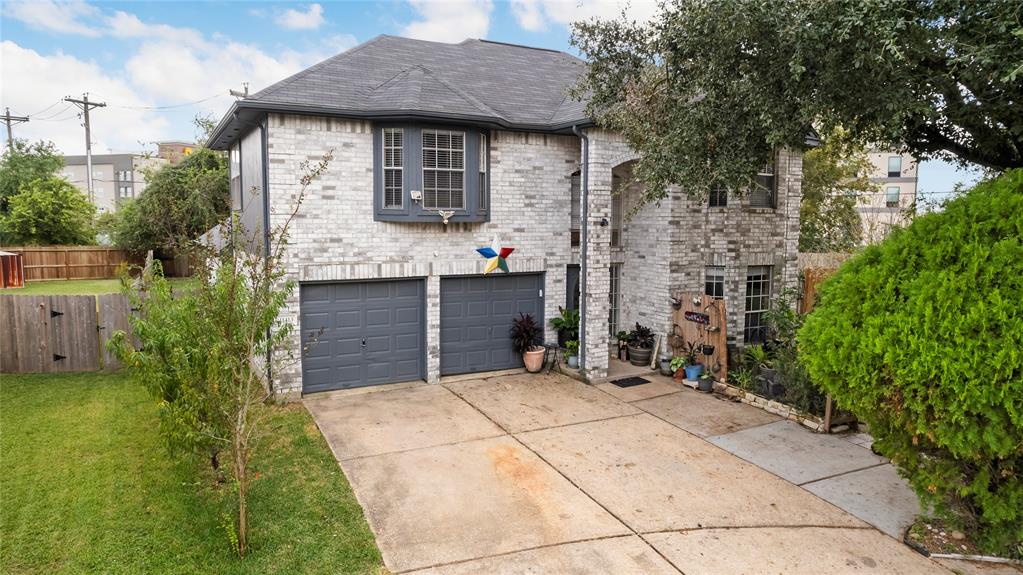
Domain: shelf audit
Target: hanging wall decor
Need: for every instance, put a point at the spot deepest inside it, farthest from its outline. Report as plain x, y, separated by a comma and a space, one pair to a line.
496, 256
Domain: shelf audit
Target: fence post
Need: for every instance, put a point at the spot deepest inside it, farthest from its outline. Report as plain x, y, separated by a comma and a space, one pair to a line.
67, 265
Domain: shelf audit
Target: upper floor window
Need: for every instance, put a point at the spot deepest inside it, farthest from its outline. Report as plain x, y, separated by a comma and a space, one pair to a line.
420, 171
894, 166
718, 197
891, 196
235, 169
394, 189
617, 210
764, 187
124, 175
443, 170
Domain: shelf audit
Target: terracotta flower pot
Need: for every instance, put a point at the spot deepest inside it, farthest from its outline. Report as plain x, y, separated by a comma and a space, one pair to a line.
533, 359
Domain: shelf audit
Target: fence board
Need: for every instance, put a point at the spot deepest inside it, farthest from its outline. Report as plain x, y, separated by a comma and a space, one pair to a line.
114, 310
72, 262
32, 335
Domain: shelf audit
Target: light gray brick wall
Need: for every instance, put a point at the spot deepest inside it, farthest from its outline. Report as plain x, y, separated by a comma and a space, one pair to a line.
334, 236
665, 246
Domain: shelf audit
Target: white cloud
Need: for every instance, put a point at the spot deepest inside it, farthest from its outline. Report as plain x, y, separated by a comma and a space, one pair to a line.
165, 66
66, 17
293, 19
533, 15
529, 15
450, 20
32, 81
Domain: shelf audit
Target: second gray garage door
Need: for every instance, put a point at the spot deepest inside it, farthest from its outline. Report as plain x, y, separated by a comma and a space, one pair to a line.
475, 318
372, 333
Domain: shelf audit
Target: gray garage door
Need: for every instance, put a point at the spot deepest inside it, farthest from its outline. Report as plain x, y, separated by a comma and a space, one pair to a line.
475, 317
372, 333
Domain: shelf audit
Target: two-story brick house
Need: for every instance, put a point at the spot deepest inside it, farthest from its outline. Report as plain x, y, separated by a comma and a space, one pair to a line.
438, 150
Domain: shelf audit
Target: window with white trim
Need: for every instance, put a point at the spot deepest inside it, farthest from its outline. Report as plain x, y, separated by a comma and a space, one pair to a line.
891, 196
394, 168
758, 301
714, 281
421, 170
484, 189
443, 170
764, 187
126, 192
235, 169
617, 206
894, 166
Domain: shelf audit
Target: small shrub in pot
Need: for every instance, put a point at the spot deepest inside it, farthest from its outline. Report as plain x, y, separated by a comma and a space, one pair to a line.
641, 345
526, 335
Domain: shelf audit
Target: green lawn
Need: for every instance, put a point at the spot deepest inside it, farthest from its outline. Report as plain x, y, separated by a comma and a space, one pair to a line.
78, 287
86, 487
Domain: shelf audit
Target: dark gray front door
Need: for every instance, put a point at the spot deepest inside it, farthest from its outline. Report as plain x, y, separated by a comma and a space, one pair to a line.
372, 333
475, 318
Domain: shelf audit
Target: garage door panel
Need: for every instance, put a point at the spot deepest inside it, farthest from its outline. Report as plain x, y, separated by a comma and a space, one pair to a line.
372, 333
476, 317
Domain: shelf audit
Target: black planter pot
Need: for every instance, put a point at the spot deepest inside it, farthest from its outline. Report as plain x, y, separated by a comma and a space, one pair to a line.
562, 338
777, 389
640, 355
707, 349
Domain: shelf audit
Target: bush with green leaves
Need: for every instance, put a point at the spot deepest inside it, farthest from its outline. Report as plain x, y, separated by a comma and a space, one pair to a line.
921, 336
49, 211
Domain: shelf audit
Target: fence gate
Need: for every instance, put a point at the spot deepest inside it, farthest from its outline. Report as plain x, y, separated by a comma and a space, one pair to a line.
50, 334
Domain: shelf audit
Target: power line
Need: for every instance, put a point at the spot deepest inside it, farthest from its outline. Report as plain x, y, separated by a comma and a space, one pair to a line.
46, 108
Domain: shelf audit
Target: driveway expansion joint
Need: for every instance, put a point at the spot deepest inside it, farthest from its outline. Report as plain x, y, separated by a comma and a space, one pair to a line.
858, 469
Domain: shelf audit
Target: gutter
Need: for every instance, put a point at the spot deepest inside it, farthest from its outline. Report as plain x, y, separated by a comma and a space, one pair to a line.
584, 240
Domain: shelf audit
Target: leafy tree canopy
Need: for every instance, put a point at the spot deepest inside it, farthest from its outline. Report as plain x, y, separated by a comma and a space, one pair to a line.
179, 204
49, 211
24, 162
710, 87
834, 177
921, 337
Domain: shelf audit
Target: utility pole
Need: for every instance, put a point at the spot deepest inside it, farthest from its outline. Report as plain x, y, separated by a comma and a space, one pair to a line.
10, 120
85, 105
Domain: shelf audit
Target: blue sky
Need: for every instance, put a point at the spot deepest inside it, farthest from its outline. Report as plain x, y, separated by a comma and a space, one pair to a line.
158, 64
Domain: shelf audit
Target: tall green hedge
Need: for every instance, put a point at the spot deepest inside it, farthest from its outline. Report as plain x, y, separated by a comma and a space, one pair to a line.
921, 336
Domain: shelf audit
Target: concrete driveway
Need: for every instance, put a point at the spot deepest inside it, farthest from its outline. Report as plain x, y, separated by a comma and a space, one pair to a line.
543, 474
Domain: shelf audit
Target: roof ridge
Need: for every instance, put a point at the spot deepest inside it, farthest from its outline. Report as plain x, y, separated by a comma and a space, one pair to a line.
276, 85
464, 95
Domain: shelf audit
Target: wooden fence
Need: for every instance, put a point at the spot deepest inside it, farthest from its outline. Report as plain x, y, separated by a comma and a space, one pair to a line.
50, 334
72, 262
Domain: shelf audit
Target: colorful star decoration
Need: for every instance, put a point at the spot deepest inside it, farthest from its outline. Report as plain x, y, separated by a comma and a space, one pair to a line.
496, 256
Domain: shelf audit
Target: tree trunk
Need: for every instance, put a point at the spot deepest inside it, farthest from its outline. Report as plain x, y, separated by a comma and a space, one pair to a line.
243, 488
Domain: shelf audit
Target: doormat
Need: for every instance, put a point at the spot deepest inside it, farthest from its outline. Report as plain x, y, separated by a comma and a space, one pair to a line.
629, 381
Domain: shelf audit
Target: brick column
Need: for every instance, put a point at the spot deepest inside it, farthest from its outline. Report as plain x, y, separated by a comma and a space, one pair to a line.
598, 257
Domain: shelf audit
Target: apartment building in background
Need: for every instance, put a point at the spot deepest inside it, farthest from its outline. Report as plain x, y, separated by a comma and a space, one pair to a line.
895, 174
118, 177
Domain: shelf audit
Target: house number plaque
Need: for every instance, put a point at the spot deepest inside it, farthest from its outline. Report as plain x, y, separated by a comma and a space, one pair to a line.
697, 317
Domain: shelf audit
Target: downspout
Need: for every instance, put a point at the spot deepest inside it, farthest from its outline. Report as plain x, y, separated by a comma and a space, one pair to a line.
263, 128
584, 240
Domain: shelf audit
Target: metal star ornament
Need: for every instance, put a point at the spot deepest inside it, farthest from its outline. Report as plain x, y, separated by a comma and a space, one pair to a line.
496, 256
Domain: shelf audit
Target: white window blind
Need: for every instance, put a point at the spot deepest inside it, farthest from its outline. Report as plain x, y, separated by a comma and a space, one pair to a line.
443, 170
394, 192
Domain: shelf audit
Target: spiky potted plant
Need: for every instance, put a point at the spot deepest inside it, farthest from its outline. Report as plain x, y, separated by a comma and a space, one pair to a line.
641, 345
526, 336
693, 368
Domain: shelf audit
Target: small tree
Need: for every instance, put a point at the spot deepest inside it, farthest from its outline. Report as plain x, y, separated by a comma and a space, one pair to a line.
920, 336
49, 211
835, 178
25, 162
206, 353
179, 204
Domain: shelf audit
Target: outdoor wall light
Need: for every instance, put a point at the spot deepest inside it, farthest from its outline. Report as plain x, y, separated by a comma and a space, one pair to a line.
603, 222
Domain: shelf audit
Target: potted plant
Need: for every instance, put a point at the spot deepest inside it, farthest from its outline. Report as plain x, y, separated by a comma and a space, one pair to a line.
623, 344
572, 353
677, 364
641, 345
526, 334
693, 366
759, 360
666, 366
567, 325
707, 382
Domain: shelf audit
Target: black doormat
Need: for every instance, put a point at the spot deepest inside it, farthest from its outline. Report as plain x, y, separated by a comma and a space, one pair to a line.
629, 381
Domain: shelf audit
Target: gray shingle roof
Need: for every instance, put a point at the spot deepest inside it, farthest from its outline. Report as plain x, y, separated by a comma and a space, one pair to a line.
475, 79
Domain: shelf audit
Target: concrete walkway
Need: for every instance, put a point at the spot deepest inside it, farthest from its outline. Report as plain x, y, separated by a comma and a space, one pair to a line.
543, 474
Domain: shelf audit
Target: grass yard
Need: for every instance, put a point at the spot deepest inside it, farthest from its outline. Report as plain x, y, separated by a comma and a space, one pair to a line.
79, 287
87, 487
